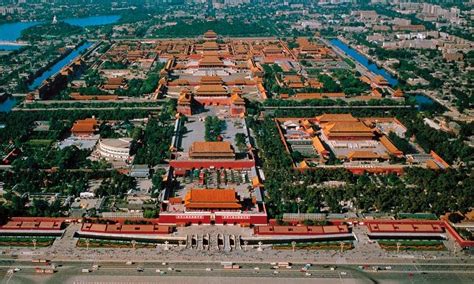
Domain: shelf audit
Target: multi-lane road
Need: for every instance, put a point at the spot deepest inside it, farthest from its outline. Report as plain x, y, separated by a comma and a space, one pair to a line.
197, 272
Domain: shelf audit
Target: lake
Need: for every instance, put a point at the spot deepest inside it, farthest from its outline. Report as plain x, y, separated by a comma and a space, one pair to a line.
93, 21
364, 61
7, 105
12, 31
59, 65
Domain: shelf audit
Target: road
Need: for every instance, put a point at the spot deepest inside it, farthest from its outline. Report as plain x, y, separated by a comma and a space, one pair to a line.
71, 272
340, 107
86, 108
122, 100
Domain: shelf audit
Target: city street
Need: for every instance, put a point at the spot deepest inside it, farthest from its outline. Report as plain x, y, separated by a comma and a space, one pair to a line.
160, 272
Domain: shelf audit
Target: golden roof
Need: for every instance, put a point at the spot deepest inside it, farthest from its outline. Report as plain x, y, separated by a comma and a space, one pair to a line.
211, 90
347, 127
210, 45
210, 34
209, 147
318, 145
211, 199
210, 80
184, 97
392, 149
334, 117
211, 60
363, 155
237, 99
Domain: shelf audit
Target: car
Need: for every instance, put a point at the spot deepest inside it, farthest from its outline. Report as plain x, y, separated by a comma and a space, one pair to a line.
275, 272
343, 273
129, 262
307, 274
164, 263
256, 268
170, 268
16, 269
158, 270
140, 269
208, 269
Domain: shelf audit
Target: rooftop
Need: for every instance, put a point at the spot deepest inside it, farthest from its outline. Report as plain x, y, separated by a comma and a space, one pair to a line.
333, 117
211, 199
211, 147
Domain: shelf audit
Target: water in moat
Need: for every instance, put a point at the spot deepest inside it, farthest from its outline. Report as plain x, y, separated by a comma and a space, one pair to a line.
10, 32
354, 54
59, 65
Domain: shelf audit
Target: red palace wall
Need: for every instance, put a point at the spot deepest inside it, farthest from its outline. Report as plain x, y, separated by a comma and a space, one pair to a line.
176, 218
461, 242
241, 219
190, 164
361, 171
235, 111
222, 101
184, 218
184, 110
352, 138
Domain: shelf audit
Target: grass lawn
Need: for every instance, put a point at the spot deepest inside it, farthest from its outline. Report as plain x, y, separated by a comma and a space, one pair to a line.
315, 246
93, 243
39, 142
412, 244
18, 241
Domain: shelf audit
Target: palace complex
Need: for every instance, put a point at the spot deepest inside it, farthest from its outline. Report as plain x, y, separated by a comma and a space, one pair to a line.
216, 72
358, 144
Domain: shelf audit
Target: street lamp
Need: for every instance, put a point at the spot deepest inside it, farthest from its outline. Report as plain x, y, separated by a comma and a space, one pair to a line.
245, 245
342, 246
87, 244
298, 200
398, 247
34, 243
293, 245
